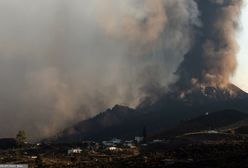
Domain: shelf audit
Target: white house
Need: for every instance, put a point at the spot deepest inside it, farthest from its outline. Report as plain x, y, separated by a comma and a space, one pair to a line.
138, 139
212, 132
112, 148
116, 141
74, 151
130, 145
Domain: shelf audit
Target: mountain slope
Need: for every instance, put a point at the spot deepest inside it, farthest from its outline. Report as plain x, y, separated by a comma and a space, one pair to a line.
104, 125
209, 121
166, 113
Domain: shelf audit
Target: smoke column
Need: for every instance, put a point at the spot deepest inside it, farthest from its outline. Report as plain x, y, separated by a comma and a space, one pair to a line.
64, 61
215, 48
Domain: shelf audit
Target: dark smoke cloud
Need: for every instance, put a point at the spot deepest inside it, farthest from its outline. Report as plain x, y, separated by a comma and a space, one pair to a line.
212, 60
64, 61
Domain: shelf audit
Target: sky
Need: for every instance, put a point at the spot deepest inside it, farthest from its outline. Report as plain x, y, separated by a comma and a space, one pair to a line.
63, 61
241, 76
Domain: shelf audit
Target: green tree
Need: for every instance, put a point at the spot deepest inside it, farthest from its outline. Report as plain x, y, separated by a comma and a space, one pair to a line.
21, 138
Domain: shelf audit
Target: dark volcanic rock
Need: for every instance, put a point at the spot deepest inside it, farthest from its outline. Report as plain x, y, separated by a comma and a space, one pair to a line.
112, 122
169, 111
208, 121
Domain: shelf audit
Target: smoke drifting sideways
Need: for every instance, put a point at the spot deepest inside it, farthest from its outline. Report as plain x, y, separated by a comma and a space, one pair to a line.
64, 61
216, 47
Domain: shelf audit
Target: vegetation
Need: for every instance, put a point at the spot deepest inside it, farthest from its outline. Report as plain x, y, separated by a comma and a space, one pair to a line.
21, 138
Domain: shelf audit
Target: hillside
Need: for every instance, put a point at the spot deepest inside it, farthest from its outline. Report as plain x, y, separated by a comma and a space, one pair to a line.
220, 120
104, 125
168, 112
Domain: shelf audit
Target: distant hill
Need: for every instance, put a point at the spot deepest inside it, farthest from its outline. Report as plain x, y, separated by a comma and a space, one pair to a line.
105, 125
169, 111
209, 121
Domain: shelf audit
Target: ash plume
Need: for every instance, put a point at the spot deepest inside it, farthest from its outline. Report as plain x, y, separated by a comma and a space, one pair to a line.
212, 60
64, 61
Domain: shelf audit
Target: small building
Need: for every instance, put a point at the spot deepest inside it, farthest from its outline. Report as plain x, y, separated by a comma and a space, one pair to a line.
212, 132
33, 157
138, 139
74, 151
112, 142
130, 145
112, 148
116, 141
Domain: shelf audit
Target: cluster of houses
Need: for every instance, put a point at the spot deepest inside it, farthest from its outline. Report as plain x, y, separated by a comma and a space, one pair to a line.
74, 151
115, 144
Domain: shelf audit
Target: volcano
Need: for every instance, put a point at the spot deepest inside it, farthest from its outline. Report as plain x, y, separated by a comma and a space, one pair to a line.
202, 85
167, 112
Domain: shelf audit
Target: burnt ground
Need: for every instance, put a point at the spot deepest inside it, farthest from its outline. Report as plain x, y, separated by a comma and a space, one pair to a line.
176, 153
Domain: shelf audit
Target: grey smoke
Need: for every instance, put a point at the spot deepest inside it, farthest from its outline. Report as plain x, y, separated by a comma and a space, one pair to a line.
216, 47
64, 61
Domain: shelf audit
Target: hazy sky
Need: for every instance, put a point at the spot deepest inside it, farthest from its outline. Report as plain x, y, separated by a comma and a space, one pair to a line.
63, 61
241, 76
